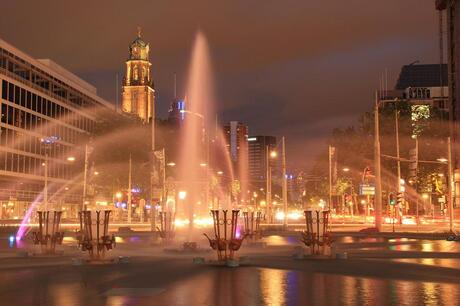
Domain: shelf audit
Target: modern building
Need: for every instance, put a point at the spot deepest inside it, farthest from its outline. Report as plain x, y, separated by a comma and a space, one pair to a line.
137, 92
46, 113
420, 85
424, 88
176, 113
257, 158
236, 138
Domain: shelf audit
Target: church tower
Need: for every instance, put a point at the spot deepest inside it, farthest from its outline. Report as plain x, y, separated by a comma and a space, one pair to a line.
138, 93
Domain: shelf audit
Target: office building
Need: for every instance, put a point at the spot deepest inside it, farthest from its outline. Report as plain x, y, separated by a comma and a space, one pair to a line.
47, 113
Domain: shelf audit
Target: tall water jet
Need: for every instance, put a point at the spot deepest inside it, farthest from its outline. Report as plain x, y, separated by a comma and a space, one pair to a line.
194, 168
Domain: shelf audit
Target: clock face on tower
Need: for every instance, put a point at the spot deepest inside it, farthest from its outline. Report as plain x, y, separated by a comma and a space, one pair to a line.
136, 51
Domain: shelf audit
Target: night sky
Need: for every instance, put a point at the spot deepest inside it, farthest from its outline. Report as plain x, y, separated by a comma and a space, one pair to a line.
285, 67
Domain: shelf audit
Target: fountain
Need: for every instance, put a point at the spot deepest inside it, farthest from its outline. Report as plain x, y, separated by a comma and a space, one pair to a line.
252, 224
318, 233
48, 234
227, 240
93, 236
194, 168
166, 229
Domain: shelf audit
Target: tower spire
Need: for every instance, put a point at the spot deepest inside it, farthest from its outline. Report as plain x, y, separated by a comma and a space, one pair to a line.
139, 29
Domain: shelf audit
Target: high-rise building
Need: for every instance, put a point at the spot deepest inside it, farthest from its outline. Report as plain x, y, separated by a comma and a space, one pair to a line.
236, 136
176, 111
257, 157
138, 93
42, 101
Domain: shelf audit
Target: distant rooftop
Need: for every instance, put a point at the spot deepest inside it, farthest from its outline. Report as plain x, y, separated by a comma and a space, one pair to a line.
427, 75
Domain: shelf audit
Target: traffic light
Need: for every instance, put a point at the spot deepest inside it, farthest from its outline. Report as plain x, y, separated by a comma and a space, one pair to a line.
391, 199
400, 198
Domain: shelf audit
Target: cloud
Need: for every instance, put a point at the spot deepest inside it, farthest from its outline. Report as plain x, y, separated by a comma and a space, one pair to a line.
283, 67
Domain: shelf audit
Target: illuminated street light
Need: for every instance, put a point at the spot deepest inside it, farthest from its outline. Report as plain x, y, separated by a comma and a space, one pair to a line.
203, 164
171, 164
71, 158
346, 169
442, 160
273, 154
182, 195
96, 173
118, 195
220, 172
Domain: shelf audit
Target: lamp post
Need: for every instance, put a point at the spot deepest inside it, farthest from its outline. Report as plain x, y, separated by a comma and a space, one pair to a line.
285, 197
268, 194
378, 174
349, 180
129, 204
47, 142
451, 185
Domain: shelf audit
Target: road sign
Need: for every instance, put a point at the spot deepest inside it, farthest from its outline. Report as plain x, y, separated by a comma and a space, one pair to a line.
366, 189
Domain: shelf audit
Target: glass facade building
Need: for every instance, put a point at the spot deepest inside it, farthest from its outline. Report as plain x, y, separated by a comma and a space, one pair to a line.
40, 99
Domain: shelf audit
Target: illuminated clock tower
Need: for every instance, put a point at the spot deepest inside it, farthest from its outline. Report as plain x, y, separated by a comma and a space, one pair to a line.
138, 92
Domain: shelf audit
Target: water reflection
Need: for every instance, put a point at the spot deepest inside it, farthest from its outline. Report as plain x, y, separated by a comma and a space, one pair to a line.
284, 287
219, 286
273, 284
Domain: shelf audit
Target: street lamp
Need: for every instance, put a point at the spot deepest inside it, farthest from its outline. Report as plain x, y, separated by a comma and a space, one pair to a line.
346, 169
271, 154
182, 195
47, 141
71, 158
